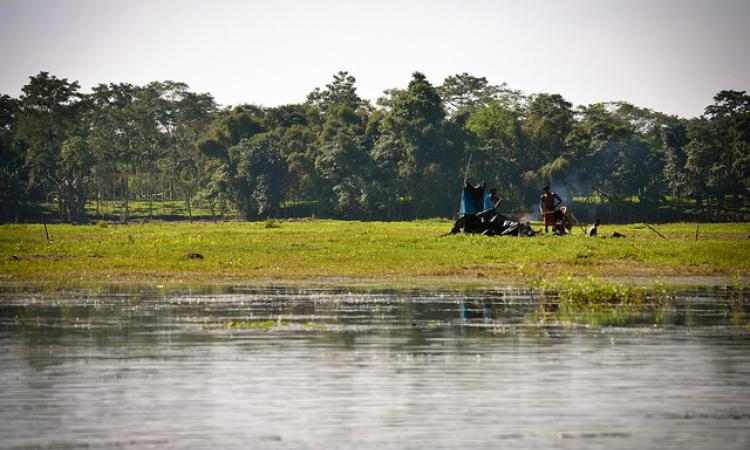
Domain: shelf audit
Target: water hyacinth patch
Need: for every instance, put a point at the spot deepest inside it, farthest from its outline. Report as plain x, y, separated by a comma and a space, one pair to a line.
596, 302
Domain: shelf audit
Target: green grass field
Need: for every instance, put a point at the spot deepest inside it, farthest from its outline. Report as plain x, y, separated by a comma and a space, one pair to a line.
341, 252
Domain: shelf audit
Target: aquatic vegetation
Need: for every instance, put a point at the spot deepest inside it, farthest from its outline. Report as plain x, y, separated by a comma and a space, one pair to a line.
315, 326
593, 291
738, 295
249, 324
431, 325
570, 300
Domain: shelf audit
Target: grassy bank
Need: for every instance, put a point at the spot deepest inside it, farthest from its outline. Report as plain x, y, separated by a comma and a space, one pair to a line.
332, 251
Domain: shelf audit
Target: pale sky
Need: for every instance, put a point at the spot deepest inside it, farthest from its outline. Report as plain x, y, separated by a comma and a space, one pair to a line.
668, 55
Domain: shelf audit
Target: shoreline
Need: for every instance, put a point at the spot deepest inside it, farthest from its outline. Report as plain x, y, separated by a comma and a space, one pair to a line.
375, 284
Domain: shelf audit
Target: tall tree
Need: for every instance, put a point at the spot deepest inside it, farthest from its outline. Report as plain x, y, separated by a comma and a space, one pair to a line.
729, 117
12, 173
340, 91
549, 121
346, 167
674, 140
606, 150
464, 92
228, 130
112, 124
340, 156
499, 150
700, 154
429, 162
257, 168
76, 163
48, 113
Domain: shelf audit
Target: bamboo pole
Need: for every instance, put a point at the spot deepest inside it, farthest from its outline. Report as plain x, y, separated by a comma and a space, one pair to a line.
46, 233
618, 203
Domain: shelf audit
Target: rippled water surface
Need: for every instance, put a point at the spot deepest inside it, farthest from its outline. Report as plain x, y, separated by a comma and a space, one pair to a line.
289, 368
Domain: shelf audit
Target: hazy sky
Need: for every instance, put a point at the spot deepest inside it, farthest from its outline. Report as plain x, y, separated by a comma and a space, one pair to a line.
671, 56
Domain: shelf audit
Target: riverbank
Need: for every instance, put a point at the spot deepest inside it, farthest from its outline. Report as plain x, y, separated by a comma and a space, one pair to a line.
340, 252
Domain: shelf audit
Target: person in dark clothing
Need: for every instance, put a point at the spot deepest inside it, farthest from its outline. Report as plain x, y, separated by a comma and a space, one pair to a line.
592, 229
548, 202
494, 198
559, 223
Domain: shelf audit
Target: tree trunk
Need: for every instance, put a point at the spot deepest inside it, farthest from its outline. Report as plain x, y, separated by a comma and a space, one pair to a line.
699, 202
60, 202
126, 195
113, 205
163, 191
187, 203
150, 194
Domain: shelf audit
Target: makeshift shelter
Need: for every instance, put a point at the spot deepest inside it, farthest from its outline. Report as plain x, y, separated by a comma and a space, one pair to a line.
474, 200
477, 215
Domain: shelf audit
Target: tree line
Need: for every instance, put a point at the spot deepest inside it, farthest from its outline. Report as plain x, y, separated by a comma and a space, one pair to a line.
338, 155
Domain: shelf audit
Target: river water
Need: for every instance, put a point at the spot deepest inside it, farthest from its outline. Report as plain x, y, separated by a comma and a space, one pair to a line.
287, 368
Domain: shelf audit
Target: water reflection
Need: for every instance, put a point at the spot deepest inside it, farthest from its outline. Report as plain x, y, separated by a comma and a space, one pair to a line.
293, 368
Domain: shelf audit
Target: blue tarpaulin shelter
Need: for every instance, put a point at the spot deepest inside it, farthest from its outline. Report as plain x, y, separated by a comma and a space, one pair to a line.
474, 200
478, 215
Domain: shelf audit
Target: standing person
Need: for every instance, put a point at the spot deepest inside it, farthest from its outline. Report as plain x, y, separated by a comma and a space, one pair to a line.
548, 202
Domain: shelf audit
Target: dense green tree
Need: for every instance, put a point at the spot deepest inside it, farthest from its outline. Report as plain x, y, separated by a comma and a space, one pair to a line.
227, 131
464, 93
674, 140
729, 117
701, 152
498, 153
598, 144
190, 114
257, 172
340, 91
647, 180
428, 159
76, 164
286, 116
420, 105
336, 155
111, 121
346, 167
709, 157
49, 112
12, 172
608, 151
340, 158
549, 120
389, 96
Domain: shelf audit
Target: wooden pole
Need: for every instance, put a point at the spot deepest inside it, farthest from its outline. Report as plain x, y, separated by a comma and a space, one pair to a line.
466, 178
618, 203
46, 233
466, 174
